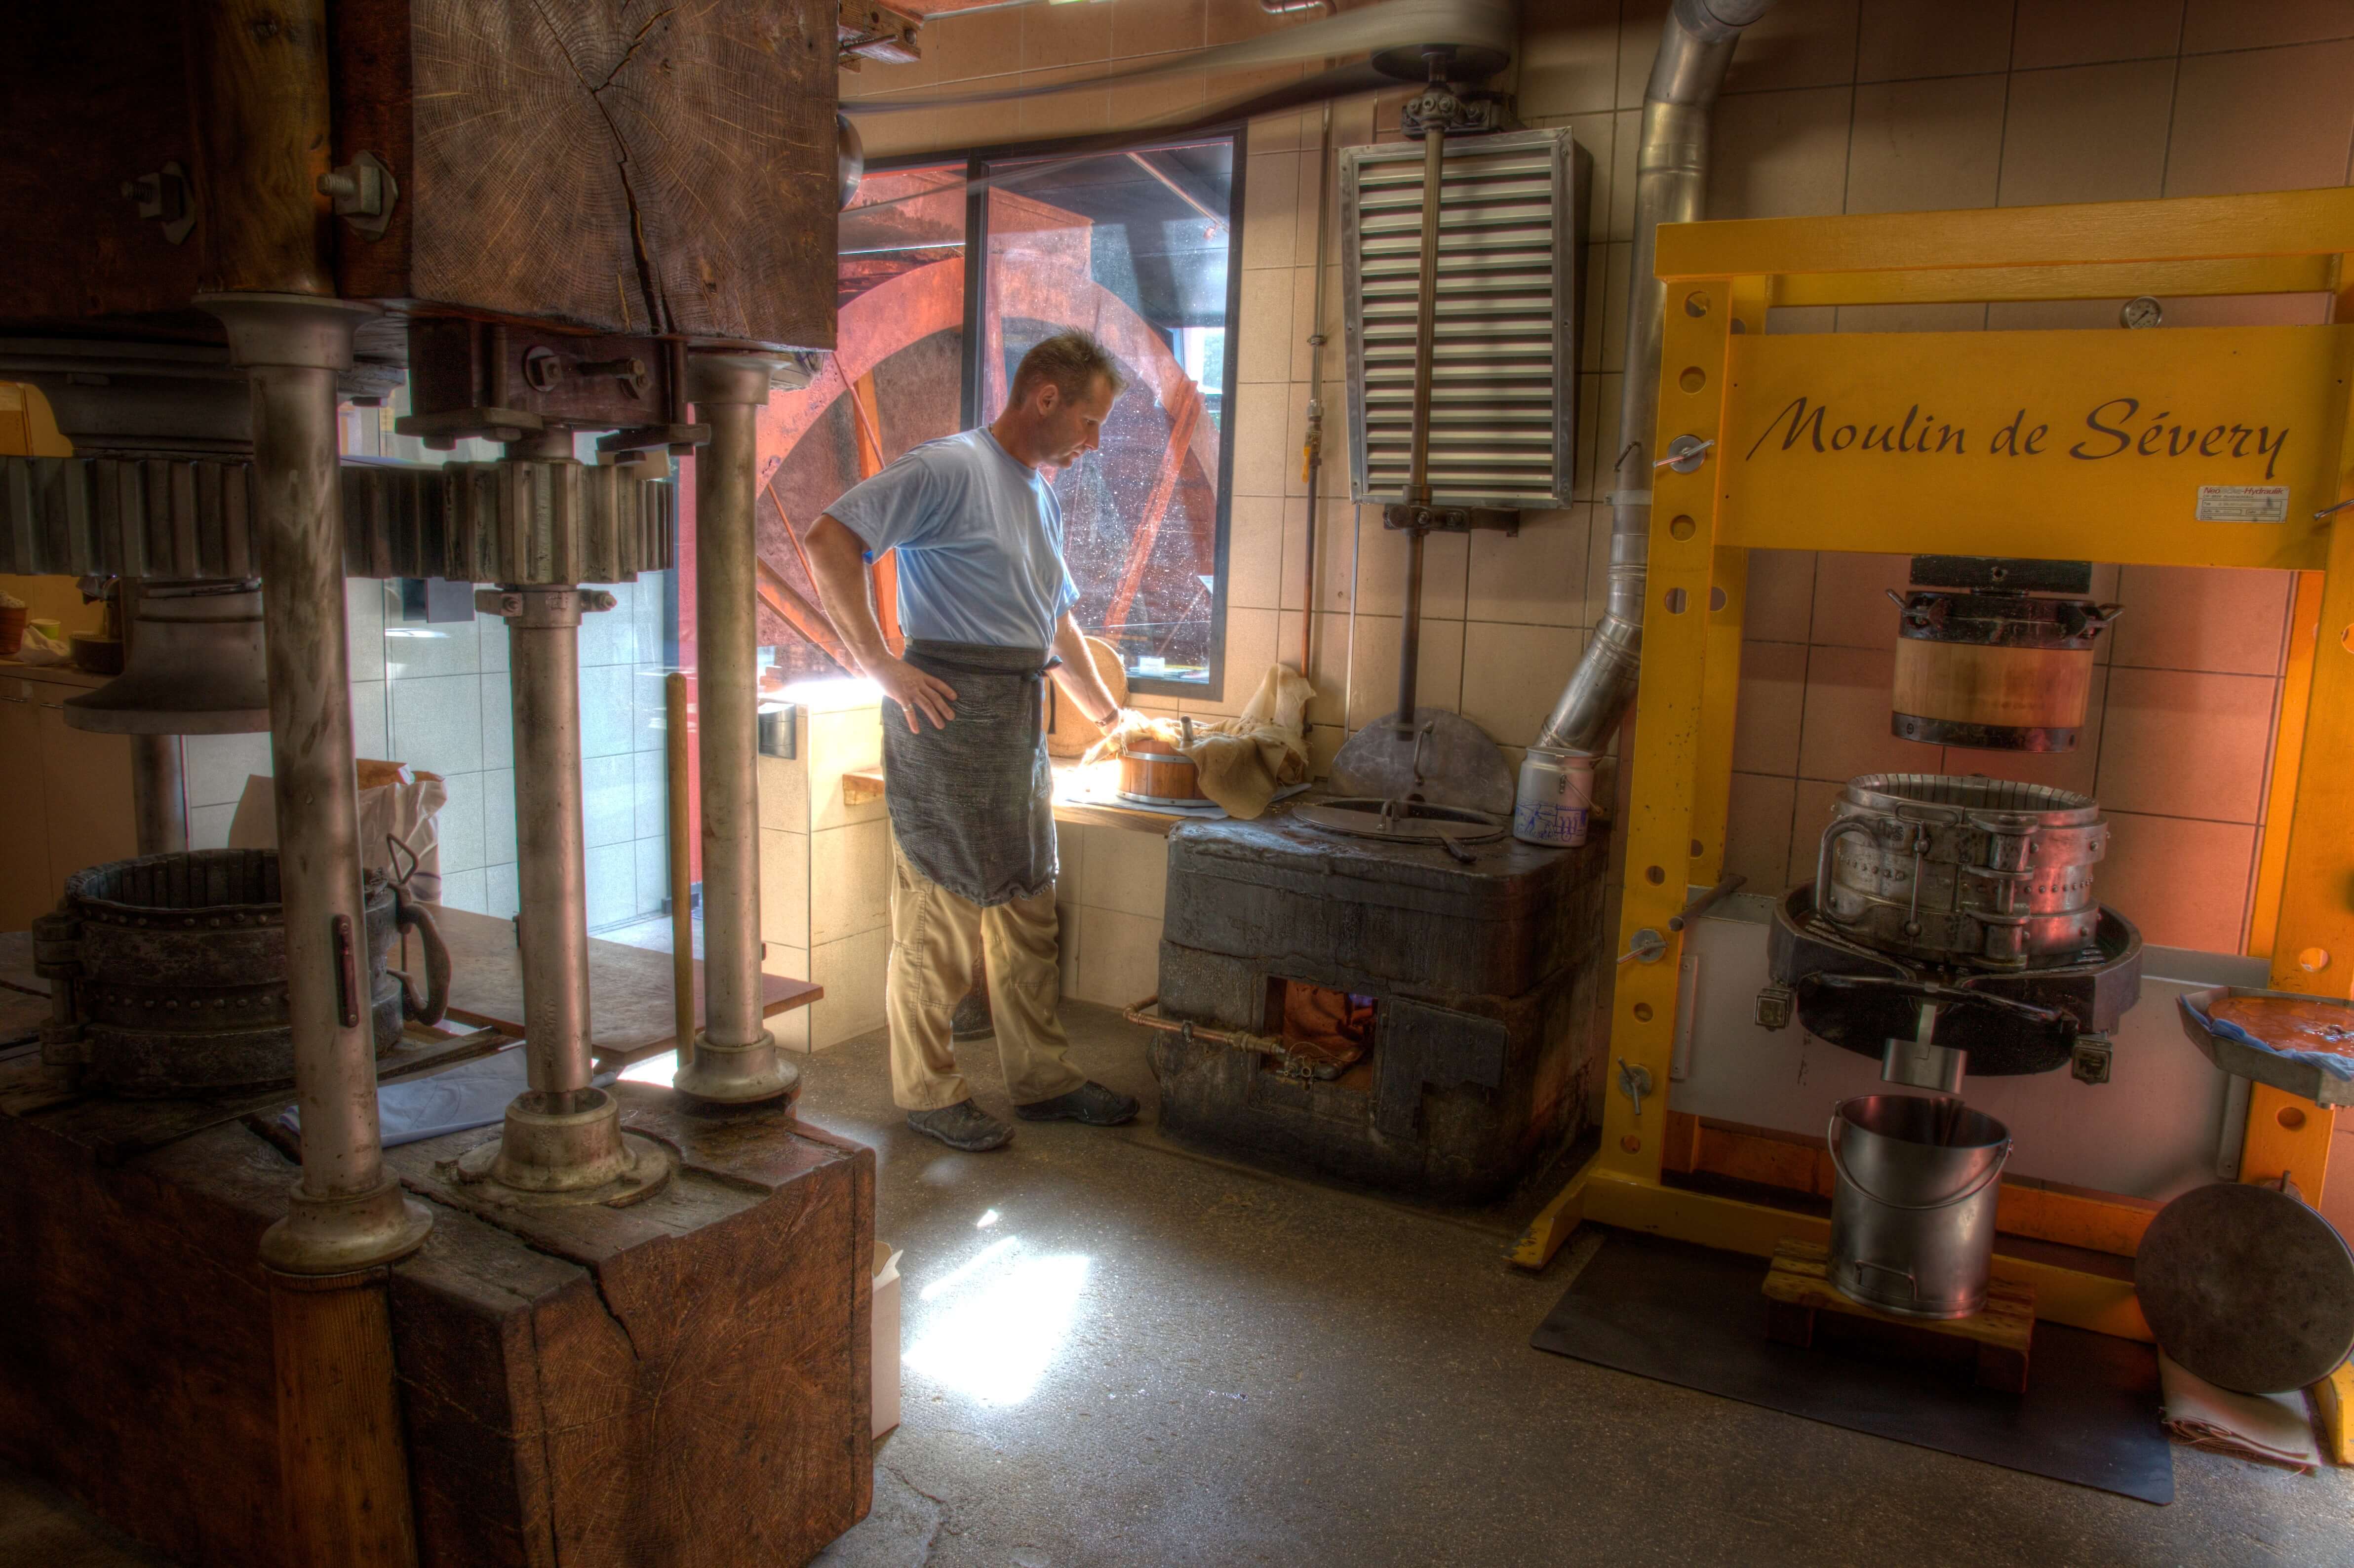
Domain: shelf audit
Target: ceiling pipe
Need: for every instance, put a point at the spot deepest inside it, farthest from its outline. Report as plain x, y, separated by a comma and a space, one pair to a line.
1696, 44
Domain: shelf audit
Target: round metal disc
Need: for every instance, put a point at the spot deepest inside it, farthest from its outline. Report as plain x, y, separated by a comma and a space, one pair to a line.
1455, 765
2248, 1288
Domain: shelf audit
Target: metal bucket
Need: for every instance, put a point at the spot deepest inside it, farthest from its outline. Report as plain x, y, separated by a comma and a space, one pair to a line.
1913, 1218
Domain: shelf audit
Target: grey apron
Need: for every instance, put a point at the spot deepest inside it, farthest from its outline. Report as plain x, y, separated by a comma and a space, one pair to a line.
972, 805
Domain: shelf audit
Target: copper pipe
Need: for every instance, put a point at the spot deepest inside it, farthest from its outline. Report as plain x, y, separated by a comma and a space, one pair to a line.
682, 869
1316, 395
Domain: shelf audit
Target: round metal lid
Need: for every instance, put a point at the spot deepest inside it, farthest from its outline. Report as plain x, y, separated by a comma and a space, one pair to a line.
2248, 1288
1440, 758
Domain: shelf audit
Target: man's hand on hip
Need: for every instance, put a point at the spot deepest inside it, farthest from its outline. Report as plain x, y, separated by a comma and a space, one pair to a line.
915, 692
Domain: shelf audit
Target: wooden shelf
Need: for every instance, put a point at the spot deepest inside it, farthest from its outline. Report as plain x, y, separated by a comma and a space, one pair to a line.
628, 987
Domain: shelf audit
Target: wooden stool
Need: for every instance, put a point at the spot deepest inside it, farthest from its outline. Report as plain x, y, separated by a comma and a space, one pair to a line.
1799, 1286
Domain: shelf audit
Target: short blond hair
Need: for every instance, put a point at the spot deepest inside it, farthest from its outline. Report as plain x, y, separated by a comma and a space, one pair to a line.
1070, 361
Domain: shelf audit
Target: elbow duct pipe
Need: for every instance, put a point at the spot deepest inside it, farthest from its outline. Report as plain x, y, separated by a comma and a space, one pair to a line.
1696, 44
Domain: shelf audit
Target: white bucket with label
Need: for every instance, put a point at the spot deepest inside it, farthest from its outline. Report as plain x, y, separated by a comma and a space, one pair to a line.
1555, 799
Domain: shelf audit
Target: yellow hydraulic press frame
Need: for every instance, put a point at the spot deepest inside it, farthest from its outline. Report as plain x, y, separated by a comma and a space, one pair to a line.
2187, 446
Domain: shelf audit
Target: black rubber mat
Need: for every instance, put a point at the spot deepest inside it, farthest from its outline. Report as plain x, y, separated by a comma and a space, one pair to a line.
1693, 1317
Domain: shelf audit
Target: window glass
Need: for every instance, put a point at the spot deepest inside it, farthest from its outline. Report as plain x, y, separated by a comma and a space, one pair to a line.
894, 381
1134, 246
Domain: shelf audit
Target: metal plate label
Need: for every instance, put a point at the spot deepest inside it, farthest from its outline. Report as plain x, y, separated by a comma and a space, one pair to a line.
2242, 504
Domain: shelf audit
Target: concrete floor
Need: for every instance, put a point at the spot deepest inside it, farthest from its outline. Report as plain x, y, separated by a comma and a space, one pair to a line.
1121, 1352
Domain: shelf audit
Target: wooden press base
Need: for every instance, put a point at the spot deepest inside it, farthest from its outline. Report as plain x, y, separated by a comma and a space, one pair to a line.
1799, 1286
684, 1384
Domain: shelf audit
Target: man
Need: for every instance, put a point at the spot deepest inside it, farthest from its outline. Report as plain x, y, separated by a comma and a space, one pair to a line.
985, 601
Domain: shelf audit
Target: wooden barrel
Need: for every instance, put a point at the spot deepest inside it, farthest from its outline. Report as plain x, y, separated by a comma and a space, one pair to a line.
1147, 773
1993, 670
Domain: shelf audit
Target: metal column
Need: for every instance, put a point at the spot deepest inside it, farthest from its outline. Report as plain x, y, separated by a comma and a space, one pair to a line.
551, 843
562, 1141
1417, 477
736, 1059
159, 794
346, 1214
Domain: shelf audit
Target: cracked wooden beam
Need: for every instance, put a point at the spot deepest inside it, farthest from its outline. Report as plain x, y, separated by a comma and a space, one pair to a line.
615, 165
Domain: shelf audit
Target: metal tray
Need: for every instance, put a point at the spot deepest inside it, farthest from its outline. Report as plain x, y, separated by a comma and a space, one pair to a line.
2263, 1066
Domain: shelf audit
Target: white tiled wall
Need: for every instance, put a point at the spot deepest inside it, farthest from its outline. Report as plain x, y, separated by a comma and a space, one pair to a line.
436, 697
1114, 883
825, 865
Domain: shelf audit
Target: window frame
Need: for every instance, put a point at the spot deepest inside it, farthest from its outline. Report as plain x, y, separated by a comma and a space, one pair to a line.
977, 163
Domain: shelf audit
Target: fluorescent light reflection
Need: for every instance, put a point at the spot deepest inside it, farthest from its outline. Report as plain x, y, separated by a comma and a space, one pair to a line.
1000, 1320
985, 1221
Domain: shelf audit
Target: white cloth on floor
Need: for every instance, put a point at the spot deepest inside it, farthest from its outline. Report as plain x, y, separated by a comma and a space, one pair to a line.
2269, 1428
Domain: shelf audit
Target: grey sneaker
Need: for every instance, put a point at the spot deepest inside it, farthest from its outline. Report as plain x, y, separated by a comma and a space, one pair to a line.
963, 1124
1091, 1103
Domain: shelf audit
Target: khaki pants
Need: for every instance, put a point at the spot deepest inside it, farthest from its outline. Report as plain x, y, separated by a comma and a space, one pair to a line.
934, 933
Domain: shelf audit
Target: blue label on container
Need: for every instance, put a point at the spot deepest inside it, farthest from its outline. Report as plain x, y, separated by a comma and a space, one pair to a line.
1549, 823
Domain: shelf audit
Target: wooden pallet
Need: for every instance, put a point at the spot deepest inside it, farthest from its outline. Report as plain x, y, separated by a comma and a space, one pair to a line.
1798, 1286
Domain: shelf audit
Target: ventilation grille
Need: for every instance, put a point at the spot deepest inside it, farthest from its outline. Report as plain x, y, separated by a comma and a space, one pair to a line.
1502, 406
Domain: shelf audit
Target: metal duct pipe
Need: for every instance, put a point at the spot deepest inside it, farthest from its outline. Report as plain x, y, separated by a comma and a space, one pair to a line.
1696, 44
735, 1058
1315, 453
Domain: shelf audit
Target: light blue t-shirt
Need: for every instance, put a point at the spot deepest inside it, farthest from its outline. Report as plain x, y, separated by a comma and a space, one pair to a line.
980, 537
